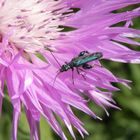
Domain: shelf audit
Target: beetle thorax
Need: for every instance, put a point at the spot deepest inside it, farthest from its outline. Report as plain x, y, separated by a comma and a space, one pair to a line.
65, 67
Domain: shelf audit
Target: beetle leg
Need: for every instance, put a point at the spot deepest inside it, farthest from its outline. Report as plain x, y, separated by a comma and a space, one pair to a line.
86, 66
80, 73
72, 76
83, 53
77, 70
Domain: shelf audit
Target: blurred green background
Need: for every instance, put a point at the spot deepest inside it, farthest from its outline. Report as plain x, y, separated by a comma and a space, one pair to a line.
120, 125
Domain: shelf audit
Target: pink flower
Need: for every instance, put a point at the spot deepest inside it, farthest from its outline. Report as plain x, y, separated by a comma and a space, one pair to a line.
34, 36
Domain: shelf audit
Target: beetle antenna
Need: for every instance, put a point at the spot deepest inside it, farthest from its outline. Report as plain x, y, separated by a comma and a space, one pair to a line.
72, 76
58, 72
55, 59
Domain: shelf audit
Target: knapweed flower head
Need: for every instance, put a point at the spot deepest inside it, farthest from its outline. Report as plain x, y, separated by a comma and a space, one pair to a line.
37, 37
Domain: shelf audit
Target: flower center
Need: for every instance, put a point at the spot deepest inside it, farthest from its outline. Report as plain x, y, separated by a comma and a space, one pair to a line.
33, 23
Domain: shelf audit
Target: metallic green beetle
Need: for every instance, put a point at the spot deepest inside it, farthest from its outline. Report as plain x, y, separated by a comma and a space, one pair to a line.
81, 60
